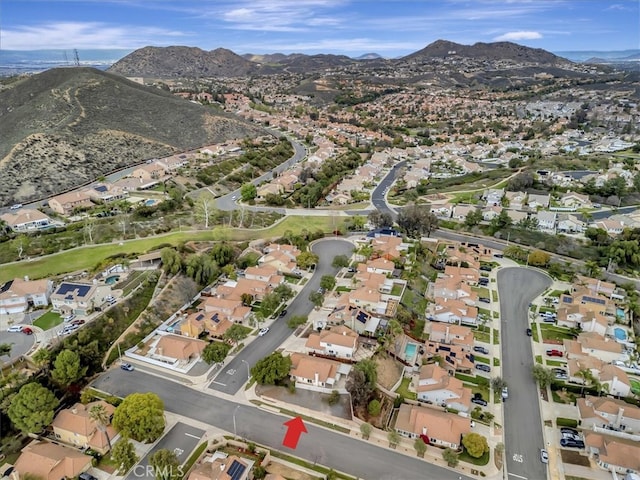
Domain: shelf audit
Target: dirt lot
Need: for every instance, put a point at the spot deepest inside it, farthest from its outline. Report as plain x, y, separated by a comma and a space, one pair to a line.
288, 472
389, 371
569, 456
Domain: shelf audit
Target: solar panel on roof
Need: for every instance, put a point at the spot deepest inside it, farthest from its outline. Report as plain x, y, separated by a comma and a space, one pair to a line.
362, 317
101, 188
199, 317
65, 288
215, 317
599, 301
236, 470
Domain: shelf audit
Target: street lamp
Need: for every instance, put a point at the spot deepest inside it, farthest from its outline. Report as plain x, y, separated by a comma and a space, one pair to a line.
234, 421
248, 370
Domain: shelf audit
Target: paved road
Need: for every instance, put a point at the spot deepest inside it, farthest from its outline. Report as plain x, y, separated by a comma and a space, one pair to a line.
182, 439
20, 344
236, 373
327, 447
523, 426
379, 193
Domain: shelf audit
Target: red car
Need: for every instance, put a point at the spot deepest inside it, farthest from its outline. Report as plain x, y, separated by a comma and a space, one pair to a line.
554, 353
27, 331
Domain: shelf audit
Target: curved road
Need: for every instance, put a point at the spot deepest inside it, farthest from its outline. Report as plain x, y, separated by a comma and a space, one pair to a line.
237, 370
523, 437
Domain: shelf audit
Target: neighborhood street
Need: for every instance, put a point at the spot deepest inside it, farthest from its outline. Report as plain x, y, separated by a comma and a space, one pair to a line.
236, 372
523, 437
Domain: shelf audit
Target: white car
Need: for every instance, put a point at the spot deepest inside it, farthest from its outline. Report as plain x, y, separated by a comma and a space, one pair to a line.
15, 328
69, 329
263, 331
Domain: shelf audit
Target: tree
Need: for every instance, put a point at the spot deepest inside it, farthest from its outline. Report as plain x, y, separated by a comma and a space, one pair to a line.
215, 352
32, 408
67, 368
235, 333
379, 219
296, 321
501, 221
166, 465
417, 221
171, 260
306, 259
450, 456
365, 430
271, 369
41, 358
140, 417
284, 292
340, 261
497, 383
374, 408
327, 282
222, 253
124, 455
98, 414
473, 218
592, 269
248, 192
475, 444
205, 208
269, 304
542, 375
539, 258
247, 299
369, 367
358, 387
394, 329
420, 446
394, 438
316, 298
259, 472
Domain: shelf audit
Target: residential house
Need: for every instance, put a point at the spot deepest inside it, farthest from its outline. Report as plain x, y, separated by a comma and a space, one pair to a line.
316, 373
281, 257
78, 298
26, 220
595, 286
491, 212
235, 289
468, 274
50, 461
451, 335
493, 196
74, 426
443, 210
388, 247
593, 344
613, 453
173, 163
517, 216
609, 413
436, 386
434, 426
66, 203
455, 358
568, 223
200, 322
452, 311
516, 199
231, 309
340, 342
460, 212
546, 220
177, 348
17, 295
379, 265
106, 193
536, 201
612, 227
454, 287
358, 319
614, 380
220, 466
575, 200
583, 296
582, 317
288, 181
149, 171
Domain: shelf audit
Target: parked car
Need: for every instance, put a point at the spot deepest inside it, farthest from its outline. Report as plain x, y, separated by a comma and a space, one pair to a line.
498, 255
263, 331
69, 329
505, 393
554, 353
485, 268
570, 430
69, 317
283, 312
529, 332
544, 456
27, 331
86, 476
127, 366
571, 443
78, 321
483, 367
479, 401
485, 300
571, 437
15, 328
480, 349
483, 281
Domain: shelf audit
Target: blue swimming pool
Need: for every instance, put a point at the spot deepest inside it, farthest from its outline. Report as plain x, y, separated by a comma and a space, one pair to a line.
410, 351
619, 312
149, 203
620, 334
112, 279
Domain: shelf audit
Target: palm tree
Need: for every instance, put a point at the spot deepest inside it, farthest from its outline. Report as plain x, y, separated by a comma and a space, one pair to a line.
99, 414
592, 268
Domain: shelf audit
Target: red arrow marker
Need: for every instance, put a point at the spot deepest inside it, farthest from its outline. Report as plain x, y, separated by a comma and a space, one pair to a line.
295, 429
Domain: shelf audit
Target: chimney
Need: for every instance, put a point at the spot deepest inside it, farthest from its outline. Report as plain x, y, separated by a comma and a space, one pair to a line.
424, 431
316, 378
446, 335
26, 278
619, 417
74, 410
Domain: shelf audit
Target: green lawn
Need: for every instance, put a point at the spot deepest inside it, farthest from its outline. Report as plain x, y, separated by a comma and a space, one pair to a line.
403, 389
494, 295
48, 320
496, 362
87, 258
534, 330
496, 336
482, 359
482, 291
551, 332
465, 457
482, 334
556, 363
635, 386
539, 359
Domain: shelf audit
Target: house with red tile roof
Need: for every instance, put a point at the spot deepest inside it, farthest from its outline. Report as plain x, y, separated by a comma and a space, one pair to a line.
49, 461
439, 428
437, 386
340, 342
315, 373
74, 426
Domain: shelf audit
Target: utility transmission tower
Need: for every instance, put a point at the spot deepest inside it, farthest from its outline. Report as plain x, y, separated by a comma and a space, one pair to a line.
76, 57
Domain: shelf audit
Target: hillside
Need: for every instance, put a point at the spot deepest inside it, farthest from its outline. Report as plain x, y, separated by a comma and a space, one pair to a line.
67, 126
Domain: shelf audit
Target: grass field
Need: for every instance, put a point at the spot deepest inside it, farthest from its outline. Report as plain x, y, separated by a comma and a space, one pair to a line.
635, 386
403, 389
48, 320
87, 258
551, 332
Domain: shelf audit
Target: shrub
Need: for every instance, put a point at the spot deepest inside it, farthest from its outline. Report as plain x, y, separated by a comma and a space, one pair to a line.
334, 397
374, 408
566, 422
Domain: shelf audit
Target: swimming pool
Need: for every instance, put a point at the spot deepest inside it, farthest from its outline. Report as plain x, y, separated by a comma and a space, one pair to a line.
112, 279
149, 202
410, 351
619, 312
620, 334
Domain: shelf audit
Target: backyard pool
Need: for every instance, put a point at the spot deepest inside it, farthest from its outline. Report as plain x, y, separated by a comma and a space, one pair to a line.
112, 279
410, 351
619, 312
620, 334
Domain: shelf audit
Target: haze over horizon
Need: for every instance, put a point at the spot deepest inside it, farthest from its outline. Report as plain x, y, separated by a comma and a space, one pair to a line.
348, 27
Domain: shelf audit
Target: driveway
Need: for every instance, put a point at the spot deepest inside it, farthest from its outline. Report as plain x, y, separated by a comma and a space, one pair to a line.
523, 440
20, 343
236, 372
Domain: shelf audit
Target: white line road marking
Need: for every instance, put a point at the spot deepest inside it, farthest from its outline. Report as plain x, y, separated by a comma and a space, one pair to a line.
192, 436
518, 476
218, 383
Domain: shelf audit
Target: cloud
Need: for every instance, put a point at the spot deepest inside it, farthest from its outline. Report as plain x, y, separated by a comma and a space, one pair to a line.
519, 35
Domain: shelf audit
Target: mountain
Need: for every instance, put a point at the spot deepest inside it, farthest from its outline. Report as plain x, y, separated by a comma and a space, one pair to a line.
486, 51
66, 126
183, 62
369, 56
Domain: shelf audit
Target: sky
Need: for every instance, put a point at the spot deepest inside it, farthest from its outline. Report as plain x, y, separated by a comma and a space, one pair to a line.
351, 27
